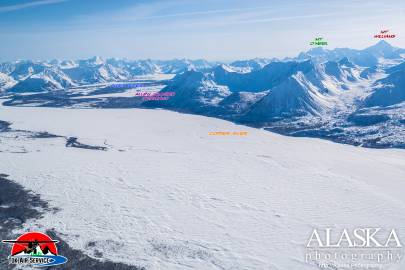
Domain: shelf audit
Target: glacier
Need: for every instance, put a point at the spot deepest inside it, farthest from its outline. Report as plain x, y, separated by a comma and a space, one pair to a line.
166, 195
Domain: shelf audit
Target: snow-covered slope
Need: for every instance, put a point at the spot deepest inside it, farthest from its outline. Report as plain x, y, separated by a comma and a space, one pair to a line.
240, 102
195, 91
369, 72
6, 82
166, 195
390, 90
341, 71
297, 96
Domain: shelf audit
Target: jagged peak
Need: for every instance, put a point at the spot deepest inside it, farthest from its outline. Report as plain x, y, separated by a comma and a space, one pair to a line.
382, 44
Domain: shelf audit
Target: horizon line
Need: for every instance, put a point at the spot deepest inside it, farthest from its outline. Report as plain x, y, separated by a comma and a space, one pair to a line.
191, 59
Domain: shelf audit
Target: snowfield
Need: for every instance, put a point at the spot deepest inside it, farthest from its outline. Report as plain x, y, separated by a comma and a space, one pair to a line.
166, 195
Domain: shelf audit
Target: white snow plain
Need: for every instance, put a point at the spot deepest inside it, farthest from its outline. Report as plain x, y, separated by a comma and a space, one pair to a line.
166, 195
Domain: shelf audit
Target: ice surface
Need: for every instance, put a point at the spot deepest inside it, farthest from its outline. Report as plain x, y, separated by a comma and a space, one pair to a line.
166, 195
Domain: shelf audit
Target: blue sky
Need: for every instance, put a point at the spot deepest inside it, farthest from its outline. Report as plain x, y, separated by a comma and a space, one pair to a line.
210, 29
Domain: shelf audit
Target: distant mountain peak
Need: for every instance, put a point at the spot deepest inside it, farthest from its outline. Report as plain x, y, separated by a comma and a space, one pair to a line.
96, 60
381, 45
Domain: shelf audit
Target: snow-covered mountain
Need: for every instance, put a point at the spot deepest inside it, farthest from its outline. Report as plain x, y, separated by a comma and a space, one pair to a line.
181, 65
89, 74
390, 90
341, 94
50, 78
252, 75
285, 89
251, 64
195, 91
33, 76
296, 96
20, 70
368, 57
259, 80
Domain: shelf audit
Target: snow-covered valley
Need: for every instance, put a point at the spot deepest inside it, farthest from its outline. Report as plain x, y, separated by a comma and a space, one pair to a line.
166, 195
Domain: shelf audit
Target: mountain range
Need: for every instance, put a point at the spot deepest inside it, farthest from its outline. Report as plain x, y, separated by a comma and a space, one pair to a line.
347, 95
34, 76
